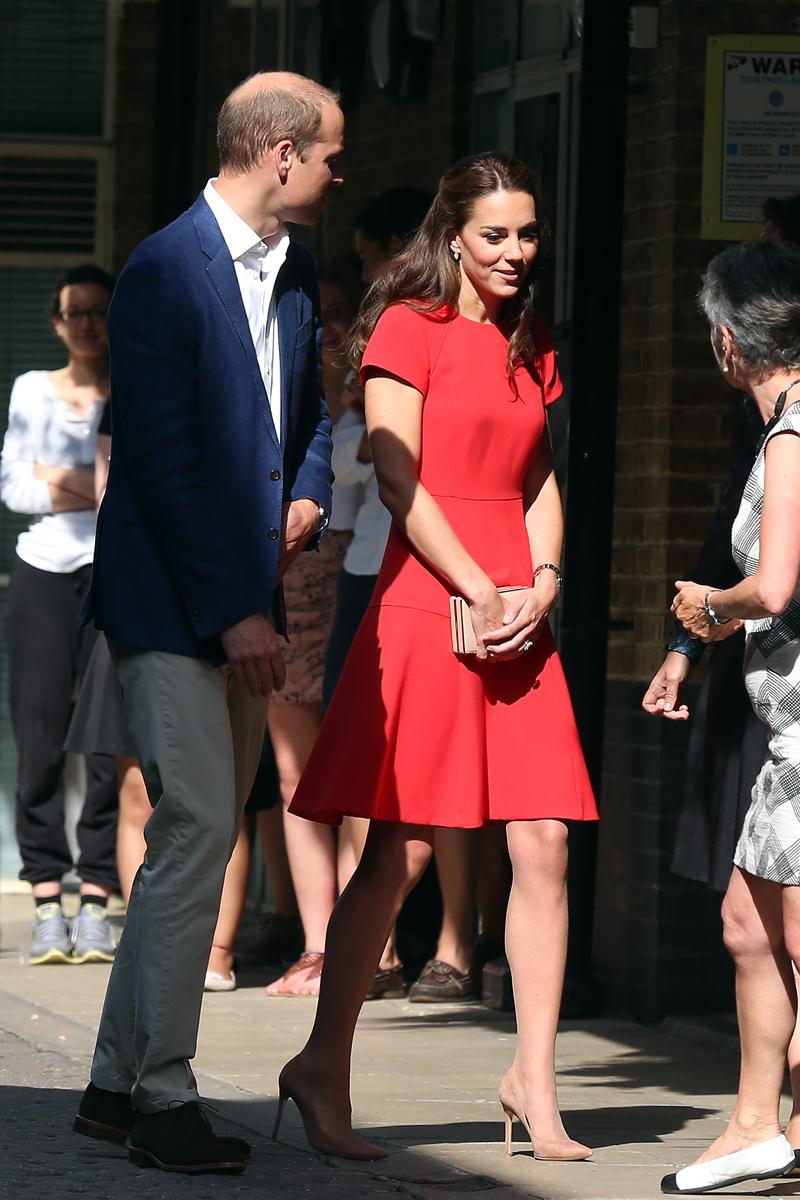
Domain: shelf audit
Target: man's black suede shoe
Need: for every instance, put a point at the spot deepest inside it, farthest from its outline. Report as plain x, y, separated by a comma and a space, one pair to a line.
181, 1139
107, 1116
110, 1117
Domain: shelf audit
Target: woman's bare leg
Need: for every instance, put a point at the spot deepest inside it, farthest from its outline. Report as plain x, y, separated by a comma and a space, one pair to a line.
319, 1077
134, 812
791, 926
231, 905
753, 918
272, 840
311, 847
352, 839
536, 945
793, 1128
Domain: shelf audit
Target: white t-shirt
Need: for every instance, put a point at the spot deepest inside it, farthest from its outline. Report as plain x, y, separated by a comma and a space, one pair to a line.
43, 428
373, 521
347, 496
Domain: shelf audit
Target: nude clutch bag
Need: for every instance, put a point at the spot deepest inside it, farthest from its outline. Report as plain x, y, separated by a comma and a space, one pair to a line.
461, 622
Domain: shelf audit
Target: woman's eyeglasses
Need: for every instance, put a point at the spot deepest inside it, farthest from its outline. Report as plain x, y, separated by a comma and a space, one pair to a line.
72, 316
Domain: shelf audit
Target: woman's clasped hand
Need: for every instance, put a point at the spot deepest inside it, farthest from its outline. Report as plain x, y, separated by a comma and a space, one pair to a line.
508, 624
689, 607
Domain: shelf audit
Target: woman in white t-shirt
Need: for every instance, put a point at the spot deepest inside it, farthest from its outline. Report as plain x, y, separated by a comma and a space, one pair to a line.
47, 472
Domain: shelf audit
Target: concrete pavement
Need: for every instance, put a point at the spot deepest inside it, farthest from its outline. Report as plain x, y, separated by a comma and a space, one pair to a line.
425, 1081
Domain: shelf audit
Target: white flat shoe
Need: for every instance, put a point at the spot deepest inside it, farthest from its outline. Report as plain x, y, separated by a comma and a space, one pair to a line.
764, 1160
219, 983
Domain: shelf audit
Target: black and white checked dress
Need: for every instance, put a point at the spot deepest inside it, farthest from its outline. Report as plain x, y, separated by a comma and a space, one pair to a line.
769, 846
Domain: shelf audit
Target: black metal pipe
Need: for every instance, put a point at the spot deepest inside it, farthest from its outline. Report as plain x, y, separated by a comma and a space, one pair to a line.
593, 404
179, 109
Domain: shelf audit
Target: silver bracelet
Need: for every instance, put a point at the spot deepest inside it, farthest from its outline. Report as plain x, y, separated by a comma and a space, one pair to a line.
709, 611
545, 566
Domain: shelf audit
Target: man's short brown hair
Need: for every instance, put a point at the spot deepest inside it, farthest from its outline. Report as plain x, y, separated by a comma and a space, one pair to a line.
265, 109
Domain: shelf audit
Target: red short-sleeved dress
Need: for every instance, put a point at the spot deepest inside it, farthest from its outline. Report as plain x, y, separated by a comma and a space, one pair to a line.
414, 733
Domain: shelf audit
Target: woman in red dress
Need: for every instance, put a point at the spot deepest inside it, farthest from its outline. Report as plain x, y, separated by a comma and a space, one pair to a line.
457, 373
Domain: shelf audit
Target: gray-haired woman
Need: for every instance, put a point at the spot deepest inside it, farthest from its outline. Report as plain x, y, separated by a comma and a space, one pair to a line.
751, 296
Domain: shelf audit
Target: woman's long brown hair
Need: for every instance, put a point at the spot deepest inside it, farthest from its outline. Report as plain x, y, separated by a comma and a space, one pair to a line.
424, 276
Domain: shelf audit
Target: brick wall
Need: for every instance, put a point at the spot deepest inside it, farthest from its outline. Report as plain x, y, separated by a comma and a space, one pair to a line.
390, 142
134, 118
228, 48
657, 937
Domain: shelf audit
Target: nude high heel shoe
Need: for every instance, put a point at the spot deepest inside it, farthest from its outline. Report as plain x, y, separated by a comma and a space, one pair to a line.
550, 1150
346, 1145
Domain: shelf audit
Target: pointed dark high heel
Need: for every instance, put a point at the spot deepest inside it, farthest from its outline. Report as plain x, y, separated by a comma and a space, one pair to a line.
276, 1125
350, 1146
554, 1150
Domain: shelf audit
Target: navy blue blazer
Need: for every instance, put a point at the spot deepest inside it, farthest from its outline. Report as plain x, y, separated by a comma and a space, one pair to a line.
188, 534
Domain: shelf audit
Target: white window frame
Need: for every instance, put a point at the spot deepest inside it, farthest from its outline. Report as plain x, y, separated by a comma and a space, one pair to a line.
525, 79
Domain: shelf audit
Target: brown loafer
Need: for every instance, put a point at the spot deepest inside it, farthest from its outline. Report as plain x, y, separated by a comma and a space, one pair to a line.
388, 984
440, 981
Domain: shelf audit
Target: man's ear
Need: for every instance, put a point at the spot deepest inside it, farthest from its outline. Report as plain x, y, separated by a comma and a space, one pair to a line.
284, 153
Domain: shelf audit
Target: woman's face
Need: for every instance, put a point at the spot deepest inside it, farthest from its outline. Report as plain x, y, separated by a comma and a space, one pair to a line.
81, 320
373, 255
499, 243
337, 316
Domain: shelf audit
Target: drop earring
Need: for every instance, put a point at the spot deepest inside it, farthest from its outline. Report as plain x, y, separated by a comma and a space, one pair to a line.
455, 255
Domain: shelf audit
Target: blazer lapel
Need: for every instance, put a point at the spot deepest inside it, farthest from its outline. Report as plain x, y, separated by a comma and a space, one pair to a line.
222, 274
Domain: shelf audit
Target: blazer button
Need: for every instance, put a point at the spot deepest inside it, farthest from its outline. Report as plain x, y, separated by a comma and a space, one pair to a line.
273, 535
274, 474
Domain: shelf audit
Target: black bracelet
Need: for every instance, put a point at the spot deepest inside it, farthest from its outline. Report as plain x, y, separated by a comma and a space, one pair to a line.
546, 566
682, 642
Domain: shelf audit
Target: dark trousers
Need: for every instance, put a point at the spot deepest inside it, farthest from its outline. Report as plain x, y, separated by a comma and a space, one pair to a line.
353, 595
47, 653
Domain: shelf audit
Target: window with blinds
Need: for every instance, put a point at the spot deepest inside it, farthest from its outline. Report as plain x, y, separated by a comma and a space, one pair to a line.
52, 67
48, 204
55, 193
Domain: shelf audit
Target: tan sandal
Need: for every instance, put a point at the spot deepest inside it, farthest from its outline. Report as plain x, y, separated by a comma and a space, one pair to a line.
309, 960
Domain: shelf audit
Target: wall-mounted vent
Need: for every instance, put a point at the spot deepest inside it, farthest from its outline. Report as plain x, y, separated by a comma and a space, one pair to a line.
52, 203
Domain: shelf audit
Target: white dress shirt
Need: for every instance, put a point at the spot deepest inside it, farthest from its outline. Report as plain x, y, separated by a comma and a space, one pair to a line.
257, 264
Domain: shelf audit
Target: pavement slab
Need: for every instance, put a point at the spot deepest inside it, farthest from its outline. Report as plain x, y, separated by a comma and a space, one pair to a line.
424, 1086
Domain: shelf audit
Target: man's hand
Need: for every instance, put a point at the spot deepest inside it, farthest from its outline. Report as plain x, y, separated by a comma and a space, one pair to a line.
661, 698
300, 523
254, 654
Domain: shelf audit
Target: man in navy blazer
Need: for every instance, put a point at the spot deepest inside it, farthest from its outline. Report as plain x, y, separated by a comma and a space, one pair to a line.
220, 475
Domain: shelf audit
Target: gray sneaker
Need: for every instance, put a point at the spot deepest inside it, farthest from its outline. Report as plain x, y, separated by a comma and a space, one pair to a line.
92, 939
50, 939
